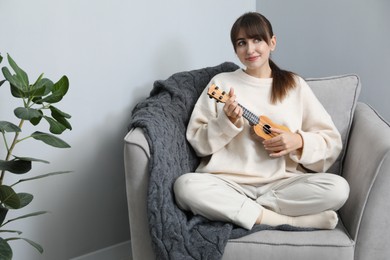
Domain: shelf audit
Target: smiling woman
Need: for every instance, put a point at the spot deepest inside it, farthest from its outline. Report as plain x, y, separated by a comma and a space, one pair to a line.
264, 182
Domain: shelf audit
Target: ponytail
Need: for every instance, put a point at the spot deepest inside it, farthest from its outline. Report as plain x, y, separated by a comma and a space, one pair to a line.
282, 82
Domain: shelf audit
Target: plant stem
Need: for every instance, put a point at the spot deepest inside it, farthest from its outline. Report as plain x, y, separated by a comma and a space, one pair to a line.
9, 153
5, 141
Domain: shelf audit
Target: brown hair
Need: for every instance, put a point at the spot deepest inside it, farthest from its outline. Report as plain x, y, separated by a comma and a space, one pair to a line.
256, 26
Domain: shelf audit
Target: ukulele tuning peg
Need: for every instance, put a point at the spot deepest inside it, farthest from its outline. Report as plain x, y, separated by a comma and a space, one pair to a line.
223, 92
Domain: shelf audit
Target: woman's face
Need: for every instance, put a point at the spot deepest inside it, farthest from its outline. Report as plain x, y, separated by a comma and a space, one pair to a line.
254, 54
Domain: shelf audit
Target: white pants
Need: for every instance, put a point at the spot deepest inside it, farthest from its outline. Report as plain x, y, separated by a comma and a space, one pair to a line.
220, 199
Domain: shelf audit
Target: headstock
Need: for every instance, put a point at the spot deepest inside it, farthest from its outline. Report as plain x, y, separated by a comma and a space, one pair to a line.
217, 94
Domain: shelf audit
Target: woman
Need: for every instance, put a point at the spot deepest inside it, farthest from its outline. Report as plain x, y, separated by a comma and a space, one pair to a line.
248, 181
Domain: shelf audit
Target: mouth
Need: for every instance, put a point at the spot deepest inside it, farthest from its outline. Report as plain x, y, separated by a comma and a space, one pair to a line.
252, 58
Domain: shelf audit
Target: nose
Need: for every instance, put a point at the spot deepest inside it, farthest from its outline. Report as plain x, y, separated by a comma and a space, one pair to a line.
250, 47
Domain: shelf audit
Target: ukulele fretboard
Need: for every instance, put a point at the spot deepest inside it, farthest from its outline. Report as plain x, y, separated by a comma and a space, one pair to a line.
248, 115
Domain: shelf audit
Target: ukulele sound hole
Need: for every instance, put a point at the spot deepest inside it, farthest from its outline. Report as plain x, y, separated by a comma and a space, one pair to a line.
266, 129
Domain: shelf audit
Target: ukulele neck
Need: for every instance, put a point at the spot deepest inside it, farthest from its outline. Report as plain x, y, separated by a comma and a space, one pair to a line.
248, 115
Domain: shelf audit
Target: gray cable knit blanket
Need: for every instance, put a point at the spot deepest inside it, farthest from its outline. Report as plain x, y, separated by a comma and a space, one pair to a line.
164, 116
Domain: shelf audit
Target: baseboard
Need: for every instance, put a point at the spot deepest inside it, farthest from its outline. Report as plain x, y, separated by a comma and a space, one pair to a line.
120, 251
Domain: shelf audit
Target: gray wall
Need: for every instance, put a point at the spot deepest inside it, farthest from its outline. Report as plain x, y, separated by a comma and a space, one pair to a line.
324, 38
112, 51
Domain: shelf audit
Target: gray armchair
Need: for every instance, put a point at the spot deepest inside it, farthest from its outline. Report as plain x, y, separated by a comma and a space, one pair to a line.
363, 231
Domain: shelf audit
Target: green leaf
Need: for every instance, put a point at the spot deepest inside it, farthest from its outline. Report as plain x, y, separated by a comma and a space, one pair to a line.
8, 76
55, 126
9, 127
20, 74
59, 90
35, 91
36, 120
48, 87
60, 116
15, 166
56, 112
41, 176
27, 113
32, 243
11, 231
61, 86
38, 79
44, 82
31, 159
3, 214
50, 139
14, 81
26, 216
25, 199
5, 250
2, 81
64, 122
9, 197
17, 92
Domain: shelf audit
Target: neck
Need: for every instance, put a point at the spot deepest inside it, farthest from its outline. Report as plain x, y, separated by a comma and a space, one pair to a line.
260, 72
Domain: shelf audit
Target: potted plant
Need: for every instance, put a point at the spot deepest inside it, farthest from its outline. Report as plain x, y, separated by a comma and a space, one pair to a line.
37, 101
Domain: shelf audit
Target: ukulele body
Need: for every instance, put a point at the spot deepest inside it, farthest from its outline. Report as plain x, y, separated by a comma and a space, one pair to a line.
262, 129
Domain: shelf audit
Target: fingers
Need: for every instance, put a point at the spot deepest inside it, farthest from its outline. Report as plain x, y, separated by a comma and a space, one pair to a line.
284, 143
231, 92
231, 108
276, 146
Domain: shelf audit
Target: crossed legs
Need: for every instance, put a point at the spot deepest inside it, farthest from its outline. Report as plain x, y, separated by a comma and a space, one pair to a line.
307, 200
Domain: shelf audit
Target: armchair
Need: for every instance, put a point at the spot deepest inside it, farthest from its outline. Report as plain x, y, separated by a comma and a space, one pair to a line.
362, 231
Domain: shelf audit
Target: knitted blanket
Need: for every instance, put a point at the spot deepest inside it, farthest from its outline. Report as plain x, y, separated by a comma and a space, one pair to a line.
163, 117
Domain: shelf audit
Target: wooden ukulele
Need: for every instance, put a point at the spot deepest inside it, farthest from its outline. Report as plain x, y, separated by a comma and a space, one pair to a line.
261, 125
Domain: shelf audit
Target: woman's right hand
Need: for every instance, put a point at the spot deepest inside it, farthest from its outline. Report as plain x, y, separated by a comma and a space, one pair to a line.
232, 110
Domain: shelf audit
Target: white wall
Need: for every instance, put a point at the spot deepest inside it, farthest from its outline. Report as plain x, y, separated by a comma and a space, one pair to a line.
112, 51
324, 38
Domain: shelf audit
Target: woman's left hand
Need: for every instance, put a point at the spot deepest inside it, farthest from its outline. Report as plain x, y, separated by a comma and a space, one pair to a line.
284, 143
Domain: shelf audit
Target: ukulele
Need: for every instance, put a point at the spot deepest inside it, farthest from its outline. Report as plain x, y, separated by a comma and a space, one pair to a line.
261, 125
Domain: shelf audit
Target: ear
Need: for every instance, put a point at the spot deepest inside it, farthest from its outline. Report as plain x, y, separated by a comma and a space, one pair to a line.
272, 44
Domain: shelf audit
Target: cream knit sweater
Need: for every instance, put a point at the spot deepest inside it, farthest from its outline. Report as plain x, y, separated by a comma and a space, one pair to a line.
231, 150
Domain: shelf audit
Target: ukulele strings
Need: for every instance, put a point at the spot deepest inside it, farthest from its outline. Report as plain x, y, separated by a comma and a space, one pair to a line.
255, 120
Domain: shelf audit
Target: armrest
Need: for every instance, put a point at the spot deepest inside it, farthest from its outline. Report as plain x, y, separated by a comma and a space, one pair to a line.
367, 169
136, 160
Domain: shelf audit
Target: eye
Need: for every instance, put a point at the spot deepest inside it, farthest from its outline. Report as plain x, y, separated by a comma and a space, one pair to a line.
255, 40
240, 43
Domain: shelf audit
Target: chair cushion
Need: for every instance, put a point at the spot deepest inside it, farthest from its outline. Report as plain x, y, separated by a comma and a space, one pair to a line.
276, 244
338, 94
